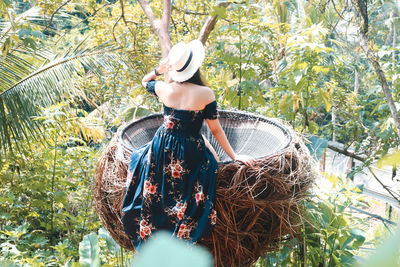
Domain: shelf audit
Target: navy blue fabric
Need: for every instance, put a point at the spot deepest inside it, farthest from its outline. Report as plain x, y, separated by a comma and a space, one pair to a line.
171, 180
150, 86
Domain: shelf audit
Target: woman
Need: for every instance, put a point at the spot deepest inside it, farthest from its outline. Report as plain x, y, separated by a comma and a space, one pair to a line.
171, 180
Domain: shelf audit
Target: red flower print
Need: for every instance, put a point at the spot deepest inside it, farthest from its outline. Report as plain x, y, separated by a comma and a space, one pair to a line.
184, 231
186, 234
176, 174
199, 197
178, 167
179, 205
152, 189
147, 185
149, 189
143, 223
180, 215
168, 123
147, 230
213, 216
173, 162
142, 235
183, 209
180, 233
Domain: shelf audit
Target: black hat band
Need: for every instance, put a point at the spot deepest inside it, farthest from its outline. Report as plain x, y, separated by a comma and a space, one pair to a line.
187, 62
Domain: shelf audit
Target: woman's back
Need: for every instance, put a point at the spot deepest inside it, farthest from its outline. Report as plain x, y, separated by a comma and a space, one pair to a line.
184, 96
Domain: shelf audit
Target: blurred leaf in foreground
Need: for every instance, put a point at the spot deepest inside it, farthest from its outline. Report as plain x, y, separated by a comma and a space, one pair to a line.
164, 250
387, 255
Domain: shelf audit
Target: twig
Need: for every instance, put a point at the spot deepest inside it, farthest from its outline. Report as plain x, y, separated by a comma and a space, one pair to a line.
190, 12
113, 28
54, 13
383, 185
334, 146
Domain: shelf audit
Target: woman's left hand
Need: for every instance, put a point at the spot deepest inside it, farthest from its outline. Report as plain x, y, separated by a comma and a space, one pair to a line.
247, 160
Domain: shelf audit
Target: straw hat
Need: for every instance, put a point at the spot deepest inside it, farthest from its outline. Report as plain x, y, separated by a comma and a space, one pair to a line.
185, 59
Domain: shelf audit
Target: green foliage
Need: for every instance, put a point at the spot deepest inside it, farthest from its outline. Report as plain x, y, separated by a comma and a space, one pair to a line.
330, 234
295, 60
89, 251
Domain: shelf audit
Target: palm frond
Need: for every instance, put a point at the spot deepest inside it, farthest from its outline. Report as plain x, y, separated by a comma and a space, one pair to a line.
22, 99
7, 27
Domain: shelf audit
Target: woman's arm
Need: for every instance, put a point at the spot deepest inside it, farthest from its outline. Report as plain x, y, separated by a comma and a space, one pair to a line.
210, 147
164, 67
219, 134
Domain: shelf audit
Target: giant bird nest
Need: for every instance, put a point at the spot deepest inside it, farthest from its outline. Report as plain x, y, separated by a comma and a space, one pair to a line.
257, 206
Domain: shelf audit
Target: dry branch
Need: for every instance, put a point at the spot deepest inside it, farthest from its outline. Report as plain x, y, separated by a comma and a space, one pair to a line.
210, 24
54, 13
337, 147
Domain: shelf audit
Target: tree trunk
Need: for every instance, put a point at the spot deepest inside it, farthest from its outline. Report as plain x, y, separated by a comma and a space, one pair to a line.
368, 49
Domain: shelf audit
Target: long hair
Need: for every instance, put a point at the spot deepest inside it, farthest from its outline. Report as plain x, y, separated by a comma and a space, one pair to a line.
197, 78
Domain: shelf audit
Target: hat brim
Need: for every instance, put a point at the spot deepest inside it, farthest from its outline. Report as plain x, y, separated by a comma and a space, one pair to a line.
197, 59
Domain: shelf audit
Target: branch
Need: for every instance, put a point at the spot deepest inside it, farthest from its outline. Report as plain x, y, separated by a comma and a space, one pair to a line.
150, 15
166, 16
210, 24
54, 13
384, 186
336, 147
190, 12
165, 39
113, 28
372, 215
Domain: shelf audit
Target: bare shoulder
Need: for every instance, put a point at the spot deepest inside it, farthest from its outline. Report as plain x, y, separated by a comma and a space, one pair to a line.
207, 94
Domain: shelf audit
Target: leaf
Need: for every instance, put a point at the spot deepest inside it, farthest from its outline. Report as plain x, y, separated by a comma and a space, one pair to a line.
219, 11
22, 95
319, 69
388, 254
332, 178
89, 251
325, 95
163, 245
111, 244
392, 159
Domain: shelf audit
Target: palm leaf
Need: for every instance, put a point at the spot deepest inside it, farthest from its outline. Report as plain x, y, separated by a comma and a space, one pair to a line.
23, 95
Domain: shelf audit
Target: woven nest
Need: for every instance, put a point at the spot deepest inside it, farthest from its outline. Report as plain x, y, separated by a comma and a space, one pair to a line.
257, 207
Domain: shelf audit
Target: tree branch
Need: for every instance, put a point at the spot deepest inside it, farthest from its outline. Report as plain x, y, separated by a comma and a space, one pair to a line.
54, 13
372, 215
150, 15
165, 39
166, 16
190, 12
210, 24
383, 185
372, 58
335, 146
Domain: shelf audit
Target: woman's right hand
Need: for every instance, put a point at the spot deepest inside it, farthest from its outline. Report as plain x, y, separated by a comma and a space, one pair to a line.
247, 160
164, 66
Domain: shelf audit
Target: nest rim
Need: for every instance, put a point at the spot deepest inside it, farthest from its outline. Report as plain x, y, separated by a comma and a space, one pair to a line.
222, 113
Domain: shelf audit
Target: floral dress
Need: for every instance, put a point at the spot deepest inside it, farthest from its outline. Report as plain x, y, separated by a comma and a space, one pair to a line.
171, 180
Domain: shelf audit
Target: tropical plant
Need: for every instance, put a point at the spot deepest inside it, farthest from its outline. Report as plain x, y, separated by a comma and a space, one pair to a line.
34, 74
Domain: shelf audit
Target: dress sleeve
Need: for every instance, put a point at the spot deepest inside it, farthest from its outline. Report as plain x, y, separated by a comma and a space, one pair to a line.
210, 111
150, 86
